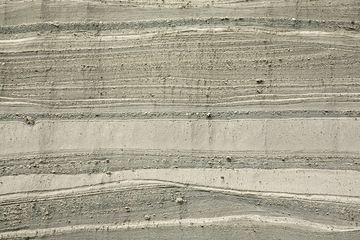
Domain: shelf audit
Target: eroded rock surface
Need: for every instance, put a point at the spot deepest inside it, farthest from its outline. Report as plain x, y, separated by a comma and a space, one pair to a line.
180, 119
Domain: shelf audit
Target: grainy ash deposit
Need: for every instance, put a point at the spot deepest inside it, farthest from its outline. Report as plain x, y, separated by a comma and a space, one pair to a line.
176, 119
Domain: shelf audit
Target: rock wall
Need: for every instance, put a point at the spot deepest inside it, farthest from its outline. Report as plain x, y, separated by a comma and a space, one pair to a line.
180, 119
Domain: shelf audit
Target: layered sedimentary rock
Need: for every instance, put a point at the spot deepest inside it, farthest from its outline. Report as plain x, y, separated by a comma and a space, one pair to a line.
179, 119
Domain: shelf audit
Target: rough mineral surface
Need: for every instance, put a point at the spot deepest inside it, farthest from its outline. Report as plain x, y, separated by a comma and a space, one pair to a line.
178, 119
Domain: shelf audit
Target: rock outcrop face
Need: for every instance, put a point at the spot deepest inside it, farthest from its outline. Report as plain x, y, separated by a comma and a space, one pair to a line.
180, 119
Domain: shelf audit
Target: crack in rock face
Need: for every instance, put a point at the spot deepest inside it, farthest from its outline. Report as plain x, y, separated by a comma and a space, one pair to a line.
172, 119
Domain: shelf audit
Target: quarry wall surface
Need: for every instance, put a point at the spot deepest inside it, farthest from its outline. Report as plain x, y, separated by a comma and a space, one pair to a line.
177, 119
